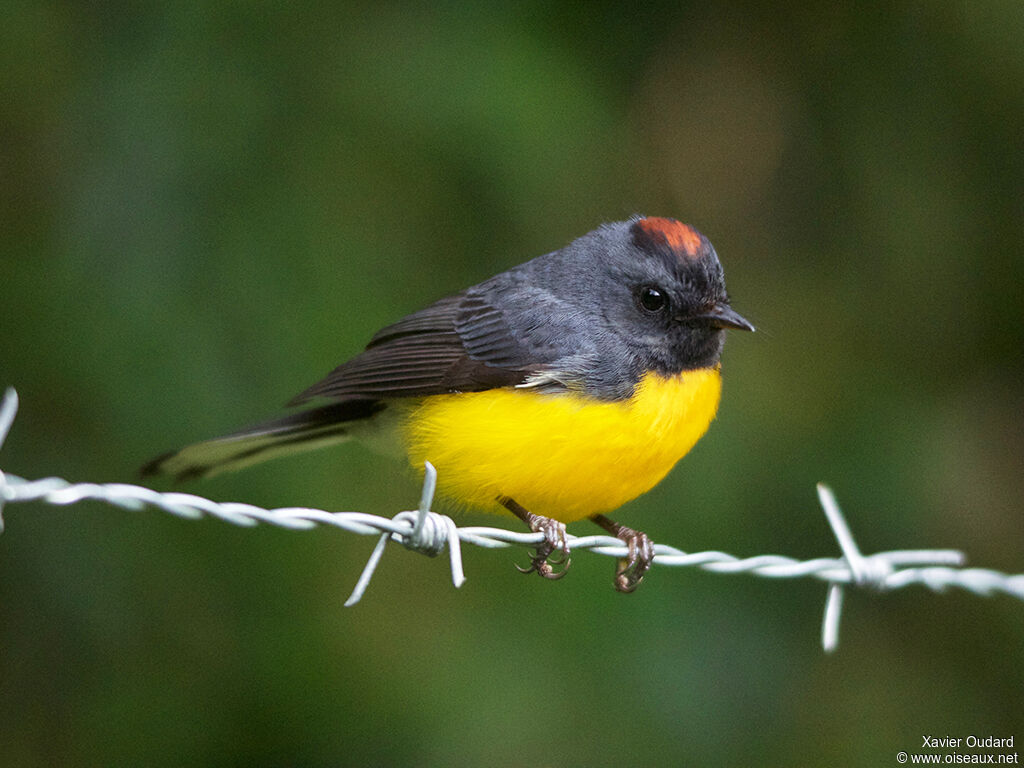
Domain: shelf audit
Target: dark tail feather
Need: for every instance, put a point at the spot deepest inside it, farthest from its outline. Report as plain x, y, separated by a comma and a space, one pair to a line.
297, 432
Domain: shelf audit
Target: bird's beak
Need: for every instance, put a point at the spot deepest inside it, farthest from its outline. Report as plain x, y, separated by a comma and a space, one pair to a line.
724, 316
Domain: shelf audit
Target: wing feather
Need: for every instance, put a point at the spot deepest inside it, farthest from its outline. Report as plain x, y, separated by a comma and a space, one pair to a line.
458, 344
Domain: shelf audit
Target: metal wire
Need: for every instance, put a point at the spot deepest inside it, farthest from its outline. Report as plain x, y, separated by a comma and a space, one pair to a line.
431, 533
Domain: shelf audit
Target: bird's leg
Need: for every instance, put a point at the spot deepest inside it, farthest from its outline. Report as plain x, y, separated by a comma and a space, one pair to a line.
631, 568
554, 539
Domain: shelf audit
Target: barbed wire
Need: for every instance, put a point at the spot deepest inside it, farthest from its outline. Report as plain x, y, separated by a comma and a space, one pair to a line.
428, 532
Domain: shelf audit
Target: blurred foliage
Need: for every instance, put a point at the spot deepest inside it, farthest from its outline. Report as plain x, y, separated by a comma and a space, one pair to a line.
206, 206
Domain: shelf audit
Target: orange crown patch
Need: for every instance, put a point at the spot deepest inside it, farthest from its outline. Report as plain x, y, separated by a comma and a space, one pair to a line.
681, 238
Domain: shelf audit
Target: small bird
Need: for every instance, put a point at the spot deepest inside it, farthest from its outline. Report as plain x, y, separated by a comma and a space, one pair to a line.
557, 390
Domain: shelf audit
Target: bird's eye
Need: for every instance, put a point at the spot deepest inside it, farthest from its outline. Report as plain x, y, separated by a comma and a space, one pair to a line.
652, 299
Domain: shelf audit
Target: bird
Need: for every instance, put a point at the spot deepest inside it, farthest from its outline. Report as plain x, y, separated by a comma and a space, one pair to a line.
556, 391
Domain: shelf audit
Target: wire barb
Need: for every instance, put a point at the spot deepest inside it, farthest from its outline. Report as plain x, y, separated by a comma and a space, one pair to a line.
865, 572
429, 532
8, 410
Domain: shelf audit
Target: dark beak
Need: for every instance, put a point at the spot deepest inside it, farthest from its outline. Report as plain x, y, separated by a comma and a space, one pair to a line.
724, 316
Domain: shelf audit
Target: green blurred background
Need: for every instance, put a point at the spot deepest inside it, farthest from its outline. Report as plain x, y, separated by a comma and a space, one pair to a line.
207, 206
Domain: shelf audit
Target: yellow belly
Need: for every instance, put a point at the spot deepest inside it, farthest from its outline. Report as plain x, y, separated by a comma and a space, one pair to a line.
563, 456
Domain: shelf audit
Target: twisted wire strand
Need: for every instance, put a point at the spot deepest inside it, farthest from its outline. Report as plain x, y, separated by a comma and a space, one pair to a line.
429, 532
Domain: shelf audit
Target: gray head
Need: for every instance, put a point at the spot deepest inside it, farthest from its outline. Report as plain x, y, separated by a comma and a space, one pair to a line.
646, 294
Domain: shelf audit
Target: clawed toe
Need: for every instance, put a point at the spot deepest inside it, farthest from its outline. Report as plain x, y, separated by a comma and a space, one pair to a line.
631, 569
543, 561
554, 541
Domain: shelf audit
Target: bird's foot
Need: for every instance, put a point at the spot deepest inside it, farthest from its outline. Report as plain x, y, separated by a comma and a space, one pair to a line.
631, 569
542, 561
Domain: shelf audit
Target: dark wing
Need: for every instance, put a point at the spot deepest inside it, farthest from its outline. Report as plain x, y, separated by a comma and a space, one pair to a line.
497, 334
459, 344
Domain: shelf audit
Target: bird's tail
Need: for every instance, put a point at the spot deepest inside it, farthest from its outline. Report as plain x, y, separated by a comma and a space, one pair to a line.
326, 425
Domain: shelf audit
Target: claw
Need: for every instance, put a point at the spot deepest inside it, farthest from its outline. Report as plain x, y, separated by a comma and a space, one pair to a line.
543, 568
563, 554
631, 569
554, 541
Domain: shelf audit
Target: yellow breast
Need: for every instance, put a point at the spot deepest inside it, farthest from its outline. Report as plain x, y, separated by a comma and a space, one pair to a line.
564, 456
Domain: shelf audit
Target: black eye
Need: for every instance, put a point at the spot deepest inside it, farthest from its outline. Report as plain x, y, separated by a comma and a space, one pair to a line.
652, 299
